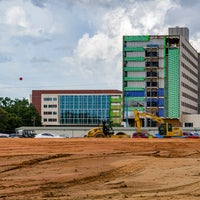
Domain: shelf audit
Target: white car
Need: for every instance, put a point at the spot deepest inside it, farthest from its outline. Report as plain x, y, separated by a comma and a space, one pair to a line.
4, 135
47, 135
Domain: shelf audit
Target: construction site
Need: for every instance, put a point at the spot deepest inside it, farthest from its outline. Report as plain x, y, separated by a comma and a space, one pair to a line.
99, 168
84, 159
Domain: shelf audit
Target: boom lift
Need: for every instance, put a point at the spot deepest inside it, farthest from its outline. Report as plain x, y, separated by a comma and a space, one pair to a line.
164, 129
106, 130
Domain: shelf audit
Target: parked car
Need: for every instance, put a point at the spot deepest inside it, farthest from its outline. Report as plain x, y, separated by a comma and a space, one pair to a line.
190, 135
13, 135
196, 134
47, 135
4, 135
142, 135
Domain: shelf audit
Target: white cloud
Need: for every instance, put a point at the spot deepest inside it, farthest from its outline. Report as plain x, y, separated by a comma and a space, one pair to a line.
99, 56
195, 41
153, 14
60, 43
98, 47
29, 20
16, 16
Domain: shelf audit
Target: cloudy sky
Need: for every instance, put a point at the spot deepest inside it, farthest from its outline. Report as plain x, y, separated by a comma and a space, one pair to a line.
77, 44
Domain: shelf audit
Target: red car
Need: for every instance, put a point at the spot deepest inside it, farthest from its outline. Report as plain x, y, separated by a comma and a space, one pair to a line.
142, 135
189, 135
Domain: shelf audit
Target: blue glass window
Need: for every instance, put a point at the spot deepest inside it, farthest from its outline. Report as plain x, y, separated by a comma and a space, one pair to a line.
84, 109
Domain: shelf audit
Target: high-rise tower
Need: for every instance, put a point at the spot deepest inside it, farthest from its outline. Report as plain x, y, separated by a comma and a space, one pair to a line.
160, 75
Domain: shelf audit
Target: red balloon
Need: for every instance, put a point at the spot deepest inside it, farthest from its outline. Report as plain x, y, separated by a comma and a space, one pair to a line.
20, 78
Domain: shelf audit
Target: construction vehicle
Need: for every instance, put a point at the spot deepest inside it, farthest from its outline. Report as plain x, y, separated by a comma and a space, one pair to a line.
164, 129
106, 130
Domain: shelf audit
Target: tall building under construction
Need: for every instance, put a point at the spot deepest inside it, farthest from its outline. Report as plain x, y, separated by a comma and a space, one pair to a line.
160, 76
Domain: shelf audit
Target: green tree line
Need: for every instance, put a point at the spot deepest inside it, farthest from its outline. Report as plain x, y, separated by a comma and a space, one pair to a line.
16, 113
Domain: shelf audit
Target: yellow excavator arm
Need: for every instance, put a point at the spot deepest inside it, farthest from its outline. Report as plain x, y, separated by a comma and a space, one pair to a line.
137, 120
138, 114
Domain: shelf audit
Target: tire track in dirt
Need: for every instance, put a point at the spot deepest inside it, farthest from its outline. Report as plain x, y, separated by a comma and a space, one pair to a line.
176, 190
38, 160
168, 154
121, 189
101, 178
108, 179
34, 188
157, 153
35, 161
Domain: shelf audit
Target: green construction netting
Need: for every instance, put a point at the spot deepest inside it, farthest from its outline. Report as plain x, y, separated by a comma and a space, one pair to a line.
173, 83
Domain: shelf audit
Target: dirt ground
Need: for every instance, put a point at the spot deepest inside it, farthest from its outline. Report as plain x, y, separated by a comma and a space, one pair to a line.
102, 168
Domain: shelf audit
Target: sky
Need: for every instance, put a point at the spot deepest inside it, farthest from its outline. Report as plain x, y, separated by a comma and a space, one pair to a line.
77, 44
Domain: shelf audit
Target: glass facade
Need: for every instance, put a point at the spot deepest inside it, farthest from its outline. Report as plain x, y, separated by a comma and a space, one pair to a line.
84, 109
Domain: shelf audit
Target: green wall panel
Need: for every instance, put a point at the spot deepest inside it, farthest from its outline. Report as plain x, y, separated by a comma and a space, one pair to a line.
134, 69
133, 89
140, 38
173, 83
137, 49
139, 59
138, 108
134, 99
134, 78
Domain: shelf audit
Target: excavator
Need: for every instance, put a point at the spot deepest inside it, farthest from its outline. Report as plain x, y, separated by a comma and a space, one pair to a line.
105, 131
164, 129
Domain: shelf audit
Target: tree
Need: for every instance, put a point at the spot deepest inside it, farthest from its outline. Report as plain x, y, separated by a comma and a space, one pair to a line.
8, 121
17, 113
3, 120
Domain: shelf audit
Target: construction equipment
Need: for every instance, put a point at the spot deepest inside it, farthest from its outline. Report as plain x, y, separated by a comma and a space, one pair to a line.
164, 129
106, 130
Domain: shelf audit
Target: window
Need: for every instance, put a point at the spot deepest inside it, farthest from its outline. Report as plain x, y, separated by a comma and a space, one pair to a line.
151, 54
52, 120
152, 84
52, 106
47, 113
169, 127
115, 104
152, 104
152, 74
151, 93
47, 99
115, 97
188, 124
84, 109
152, 64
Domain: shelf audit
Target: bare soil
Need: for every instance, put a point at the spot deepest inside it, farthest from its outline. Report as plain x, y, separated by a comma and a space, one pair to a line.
102, 168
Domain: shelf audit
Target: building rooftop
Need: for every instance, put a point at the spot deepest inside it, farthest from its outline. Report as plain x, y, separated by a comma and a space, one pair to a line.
76, 92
